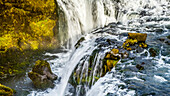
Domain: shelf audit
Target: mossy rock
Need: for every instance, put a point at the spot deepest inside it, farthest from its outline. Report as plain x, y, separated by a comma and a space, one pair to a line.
140, 37
40, 81
42, 75
135, 39
27, 24
5, 91
40, 66
110, 60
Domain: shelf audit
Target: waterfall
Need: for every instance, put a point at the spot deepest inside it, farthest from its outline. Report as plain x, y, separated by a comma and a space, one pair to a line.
79, 17
84, 15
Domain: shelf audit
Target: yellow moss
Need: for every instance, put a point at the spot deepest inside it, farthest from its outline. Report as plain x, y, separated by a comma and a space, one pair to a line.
5, 91
111, 64
138, 36
43, 28
115, 51
34, 45
27, 21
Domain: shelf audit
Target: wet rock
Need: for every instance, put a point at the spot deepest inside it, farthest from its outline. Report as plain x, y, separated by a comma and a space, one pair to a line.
168, 37
134, 41
110, 60
140, 67
5, 91
138, 36
79, 42
42, 75
152, 52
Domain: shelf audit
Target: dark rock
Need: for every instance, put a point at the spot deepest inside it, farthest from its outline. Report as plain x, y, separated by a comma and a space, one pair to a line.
42, 75
168, 37
152, 52
79, 41
140, 67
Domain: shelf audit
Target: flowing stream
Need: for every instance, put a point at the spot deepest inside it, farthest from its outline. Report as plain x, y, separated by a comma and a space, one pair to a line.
101, 25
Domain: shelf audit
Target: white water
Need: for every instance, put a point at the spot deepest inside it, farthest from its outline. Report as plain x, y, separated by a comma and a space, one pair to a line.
83, 16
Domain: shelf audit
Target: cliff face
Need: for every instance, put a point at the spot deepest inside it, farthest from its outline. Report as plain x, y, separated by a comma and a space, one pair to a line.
26, 27
27, 24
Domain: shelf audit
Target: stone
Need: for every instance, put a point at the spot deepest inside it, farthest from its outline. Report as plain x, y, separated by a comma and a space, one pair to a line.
134, 41
110, 60
42, 75
5, 91
140, 37
152, 52
140, 67
79, 42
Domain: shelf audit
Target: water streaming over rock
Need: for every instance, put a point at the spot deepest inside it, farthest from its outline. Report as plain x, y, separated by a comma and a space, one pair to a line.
137, 16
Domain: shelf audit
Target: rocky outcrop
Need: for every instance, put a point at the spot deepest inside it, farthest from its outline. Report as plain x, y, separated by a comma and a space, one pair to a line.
42, 75
27, 24
27, 27
5, 91
134, 41
110, 60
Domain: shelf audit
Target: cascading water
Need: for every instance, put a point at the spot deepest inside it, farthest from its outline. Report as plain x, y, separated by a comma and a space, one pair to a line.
137, 16
85, 15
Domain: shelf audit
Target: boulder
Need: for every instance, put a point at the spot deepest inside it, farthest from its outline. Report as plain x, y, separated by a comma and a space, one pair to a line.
110, 60
5, 91
42, 75
140, 37
134, 41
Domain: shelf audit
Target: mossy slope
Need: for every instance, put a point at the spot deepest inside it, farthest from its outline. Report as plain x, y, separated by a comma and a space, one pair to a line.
26, 28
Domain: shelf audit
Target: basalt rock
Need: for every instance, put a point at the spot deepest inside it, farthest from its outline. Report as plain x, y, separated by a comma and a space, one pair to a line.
5, 91
42, 75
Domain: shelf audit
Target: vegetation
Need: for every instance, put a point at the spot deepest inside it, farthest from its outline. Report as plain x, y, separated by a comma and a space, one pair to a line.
5, 91
26, 30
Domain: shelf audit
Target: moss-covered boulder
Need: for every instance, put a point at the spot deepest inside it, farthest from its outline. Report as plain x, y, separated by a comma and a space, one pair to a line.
5, 91
110, 60
140, 37
27, 24
134, 41
42, 75
27, 28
